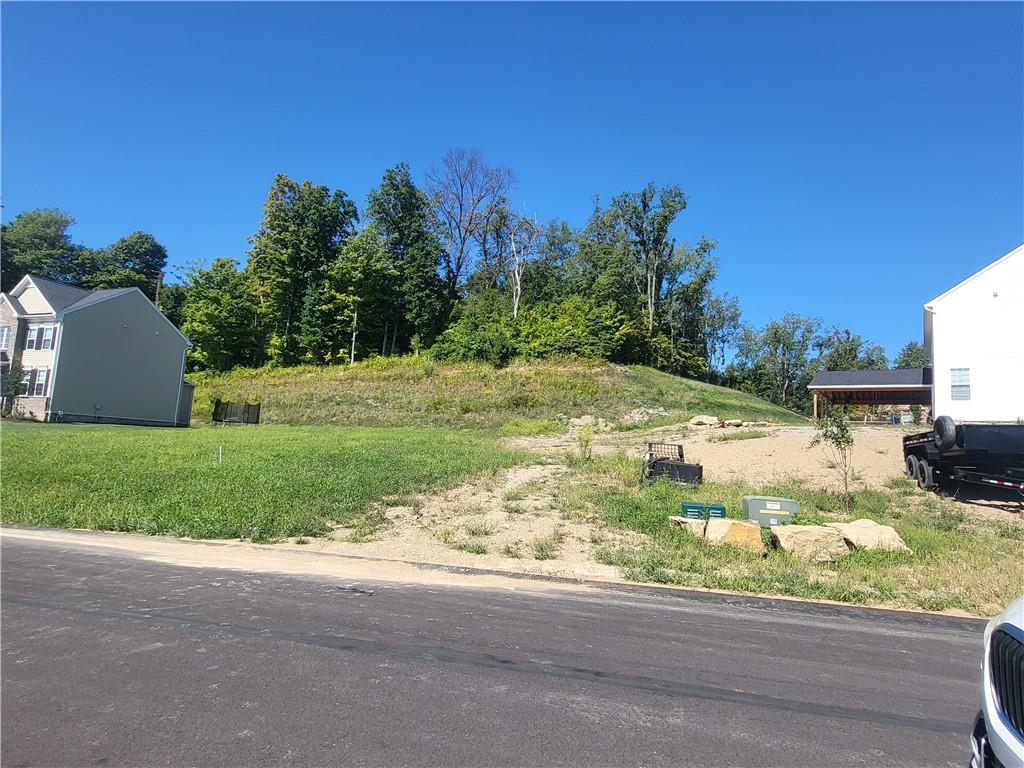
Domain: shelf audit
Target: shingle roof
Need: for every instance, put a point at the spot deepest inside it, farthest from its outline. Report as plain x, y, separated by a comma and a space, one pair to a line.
92, 297
15, 304
905, 377
59, 295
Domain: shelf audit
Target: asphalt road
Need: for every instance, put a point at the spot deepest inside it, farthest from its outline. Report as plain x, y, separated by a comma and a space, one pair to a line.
111, 659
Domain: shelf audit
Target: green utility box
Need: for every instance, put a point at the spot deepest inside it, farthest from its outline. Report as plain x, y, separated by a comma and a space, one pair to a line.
769, 510
696, 510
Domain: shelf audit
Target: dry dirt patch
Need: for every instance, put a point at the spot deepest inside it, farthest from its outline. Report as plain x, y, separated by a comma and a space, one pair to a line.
515, 518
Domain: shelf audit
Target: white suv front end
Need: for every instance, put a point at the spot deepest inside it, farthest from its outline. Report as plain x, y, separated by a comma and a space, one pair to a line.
998, 738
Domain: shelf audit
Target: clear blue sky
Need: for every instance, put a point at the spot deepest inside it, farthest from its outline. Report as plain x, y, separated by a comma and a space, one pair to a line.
852, 160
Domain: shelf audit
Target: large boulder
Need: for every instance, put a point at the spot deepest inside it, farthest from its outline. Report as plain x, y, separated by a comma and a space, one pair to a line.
704, 421
810, 542
733, 422
867, 534
745, 534
696, 527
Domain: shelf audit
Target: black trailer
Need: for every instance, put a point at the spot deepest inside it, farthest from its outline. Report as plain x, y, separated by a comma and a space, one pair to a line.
989, 455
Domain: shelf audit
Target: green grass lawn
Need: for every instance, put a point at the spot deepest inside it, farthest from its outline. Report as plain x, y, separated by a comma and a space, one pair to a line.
956, 563
274, 481
523, 398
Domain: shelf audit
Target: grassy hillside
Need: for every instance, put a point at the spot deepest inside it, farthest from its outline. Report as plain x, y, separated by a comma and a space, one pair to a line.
525, 396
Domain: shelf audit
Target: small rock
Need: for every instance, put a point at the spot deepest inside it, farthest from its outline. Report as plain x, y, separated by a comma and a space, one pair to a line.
696, 527
745, 534
733, 422
747, 424
704, 421
759, 424
867, 534
811, 542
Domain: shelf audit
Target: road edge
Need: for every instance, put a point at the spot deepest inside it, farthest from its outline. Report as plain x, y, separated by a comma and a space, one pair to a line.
772, 603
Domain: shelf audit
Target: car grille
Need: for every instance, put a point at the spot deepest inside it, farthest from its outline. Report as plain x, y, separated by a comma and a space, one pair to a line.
1006, 661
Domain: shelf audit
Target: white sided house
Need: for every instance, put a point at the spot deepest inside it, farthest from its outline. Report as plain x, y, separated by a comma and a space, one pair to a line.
100, 356
972, 337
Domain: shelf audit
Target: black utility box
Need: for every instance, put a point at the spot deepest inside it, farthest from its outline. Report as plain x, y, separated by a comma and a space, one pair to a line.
666, 460
680, 471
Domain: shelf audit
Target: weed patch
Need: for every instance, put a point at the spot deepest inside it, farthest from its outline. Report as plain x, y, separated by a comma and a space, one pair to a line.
952, 565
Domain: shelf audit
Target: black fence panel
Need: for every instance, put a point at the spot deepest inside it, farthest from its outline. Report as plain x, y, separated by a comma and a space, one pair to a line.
235, 413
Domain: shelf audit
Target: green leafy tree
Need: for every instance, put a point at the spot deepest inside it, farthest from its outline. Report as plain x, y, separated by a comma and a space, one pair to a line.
843, 350
10, 385
136, 260
646, 216
37, 242
911, 356
832, 430
304, 226
171, 301
356, 289
406, 223
219, 317
549, 276
602, 264
721, 329
778, 359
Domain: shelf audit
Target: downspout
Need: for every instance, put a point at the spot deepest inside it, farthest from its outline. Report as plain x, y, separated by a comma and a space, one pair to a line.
181, 383
56, 361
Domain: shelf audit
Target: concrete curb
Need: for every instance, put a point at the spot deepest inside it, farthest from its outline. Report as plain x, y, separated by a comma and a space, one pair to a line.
775, 603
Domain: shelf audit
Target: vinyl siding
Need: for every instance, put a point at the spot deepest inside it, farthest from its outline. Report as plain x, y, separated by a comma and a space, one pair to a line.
119, 360
976, 327
33, 301
39, 358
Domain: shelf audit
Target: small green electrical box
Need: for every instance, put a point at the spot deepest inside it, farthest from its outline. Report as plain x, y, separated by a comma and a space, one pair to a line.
696, 510
769, 510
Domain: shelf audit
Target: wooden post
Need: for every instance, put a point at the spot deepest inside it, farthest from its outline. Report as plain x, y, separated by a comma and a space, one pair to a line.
815, 405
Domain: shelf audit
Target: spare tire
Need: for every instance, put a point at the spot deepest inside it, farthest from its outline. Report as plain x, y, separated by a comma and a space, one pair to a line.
945, 433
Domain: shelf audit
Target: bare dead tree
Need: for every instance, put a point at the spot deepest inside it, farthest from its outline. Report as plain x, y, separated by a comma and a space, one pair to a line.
523, 235
462, 191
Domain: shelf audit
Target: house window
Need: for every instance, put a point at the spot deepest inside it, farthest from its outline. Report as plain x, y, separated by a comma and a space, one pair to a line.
5, 336
40, 337
960, 383
36, 382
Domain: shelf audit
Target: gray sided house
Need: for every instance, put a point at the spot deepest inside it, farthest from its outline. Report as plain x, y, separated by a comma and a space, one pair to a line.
100, 356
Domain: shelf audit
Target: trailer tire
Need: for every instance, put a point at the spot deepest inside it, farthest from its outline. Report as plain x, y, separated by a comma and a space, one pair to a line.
945, 433
912, 467
925, 476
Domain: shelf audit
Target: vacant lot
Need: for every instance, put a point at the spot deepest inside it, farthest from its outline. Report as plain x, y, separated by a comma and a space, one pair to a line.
525, 398
252, 482
568, 504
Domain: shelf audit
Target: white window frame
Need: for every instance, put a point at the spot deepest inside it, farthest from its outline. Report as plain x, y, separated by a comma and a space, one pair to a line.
5, 336
36, 382
960, 384
41, 336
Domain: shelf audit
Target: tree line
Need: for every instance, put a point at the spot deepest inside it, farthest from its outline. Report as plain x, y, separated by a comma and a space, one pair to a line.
456, 267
